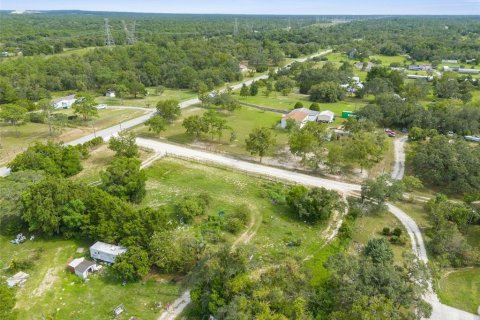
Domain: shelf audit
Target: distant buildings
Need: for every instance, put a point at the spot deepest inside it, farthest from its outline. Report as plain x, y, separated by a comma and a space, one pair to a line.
418, 77
106, 252
449, 61
461, 70
420, 67
64, 102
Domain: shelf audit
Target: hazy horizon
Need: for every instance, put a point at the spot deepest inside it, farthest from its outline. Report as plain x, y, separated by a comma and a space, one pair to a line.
281, 7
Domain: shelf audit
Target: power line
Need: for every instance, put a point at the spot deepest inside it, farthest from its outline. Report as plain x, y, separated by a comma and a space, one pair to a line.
109, 42
235, 28
129, 34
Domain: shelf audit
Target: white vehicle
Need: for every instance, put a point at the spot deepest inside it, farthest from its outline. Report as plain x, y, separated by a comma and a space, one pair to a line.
101, 106
472, 138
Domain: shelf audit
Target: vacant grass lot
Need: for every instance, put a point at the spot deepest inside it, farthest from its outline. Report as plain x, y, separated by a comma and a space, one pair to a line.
272, 226
461, 289
242, 121
149, 101
13, 143
53, 291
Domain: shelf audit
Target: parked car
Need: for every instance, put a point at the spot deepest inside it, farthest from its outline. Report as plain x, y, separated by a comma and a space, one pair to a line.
101, 106
472, 138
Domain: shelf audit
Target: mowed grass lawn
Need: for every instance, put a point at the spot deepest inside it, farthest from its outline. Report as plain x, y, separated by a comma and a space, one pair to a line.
13, 143
53, 291
461, 289
370, 226
242, 121
281, 102
272, 226
151, 100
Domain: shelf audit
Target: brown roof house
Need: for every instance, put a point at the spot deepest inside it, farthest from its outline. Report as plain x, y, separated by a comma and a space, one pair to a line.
301, 116
81, 267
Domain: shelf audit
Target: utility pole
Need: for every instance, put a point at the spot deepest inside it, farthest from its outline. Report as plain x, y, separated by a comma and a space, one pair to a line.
108, 35
235, 28
129, 34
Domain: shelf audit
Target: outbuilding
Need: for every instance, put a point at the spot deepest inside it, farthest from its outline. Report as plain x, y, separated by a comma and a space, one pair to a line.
81, 267
106, 252
326, 116
110, 94
64, 102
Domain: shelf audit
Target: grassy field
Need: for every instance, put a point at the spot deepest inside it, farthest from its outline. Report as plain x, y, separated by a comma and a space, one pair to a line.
151, 100
242, 121
53, 291
461, 289
280, 102
13, 143
370, 226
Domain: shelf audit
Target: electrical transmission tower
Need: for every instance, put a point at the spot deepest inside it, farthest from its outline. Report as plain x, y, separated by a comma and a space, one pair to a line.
108, 35
235, 28
129, 34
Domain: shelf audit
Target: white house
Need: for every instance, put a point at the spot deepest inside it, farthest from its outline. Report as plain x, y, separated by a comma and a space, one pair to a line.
451, 68
326, 116
449, 61
18, 279
82, 267
64, 102
420, 67
243, 68
416, 76
469, 71
106, 252
301, 116
110, 94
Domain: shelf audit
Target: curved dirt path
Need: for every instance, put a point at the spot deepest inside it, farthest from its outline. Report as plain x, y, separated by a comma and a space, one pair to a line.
440, 311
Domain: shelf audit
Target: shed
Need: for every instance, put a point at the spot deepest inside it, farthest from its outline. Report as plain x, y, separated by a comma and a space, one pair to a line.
64, 102
82, 267
106, 252
326, 116
18, 279
110, 93
469, 71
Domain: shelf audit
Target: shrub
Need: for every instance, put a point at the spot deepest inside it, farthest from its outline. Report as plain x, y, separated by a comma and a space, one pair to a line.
386, 231
298, 105
397, 232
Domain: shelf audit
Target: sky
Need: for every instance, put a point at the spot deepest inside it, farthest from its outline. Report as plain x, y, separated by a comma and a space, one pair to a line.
310, 7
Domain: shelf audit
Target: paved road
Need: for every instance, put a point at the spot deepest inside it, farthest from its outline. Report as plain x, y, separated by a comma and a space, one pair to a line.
440, 311
114, 130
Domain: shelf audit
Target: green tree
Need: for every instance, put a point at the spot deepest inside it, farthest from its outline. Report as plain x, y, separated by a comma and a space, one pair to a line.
124, 145
412, 183
85, 106
53, 158
259, 141
308, 143
327, 92
382, 189
47, 108
253, 89
364, 149
14, 114
284, 85
123, 178
313, 205
315, 106
244, 92
156, 124
168, 109
132, 265
379, 251
195, 126
136, 88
